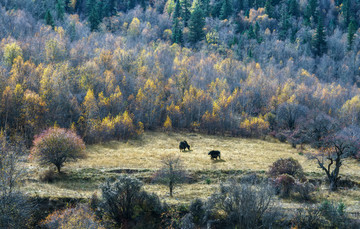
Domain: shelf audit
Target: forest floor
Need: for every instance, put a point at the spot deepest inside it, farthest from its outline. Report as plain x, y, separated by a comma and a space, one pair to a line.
141, 158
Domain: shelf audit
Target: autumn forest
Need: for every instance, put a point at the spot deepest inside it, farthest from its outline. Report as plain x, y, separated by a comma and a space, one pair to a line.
114, 69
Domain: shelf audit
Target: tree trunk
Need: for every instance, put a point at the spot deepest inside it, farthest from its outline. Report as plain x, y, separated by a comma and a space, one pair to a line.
333, 184
171, 188
58, 168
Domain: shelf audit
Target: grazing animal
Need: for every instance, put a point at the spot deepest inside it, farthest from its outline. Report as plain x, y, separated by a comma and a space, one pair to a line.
183, 145
214, 154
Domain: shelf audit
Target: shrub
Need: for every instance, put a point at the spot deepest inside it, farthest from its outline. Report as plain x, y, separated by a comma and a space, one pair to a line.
334, 214
15, 210
77, 217
47, 176
187, 222
284, 183
288, 166
57, 146
197, 210
123, 200
325, 215
240, 206
307, 217
304, 189
288, 176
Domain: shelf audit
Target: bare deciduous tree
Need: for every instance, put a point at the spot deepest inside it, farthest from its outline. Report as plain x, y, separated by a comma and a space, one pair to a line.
335, 148
15, 208
171, 173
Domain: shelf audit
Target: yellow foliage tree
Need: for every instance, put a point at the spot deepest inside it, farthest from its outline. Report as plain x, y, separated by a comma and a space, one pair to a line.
350, 111
134, 27
167, 124
254, 126
11, 51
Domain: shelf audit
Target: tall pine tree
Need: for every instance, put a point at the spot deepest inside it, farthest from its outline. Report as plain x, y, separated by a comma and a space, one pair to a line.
294, 8
143, 4
351, 32
60, 9
269, 9
49, 19
185, 13
319, 41
284, 23
205, 6
226, 10
177, 35
93, 12
310, 11
196, 25
109, 8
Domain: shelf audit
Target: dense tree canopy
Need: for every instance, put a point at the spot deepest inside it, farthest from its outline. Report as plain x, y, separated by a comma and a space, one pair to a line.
110, 69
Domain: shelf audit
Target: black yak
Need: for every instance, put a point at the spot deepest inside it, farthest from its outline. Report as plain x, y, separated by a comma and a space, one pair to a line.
183, 145
214, 154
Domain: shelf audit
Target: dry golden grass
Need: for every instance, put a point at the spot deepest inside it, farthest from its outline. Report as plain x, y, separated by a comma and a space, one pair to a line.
237, 154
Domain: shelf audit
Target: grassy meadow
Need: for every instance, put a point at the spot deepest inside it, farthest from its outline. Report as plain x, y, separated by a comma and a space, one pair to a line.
142, 157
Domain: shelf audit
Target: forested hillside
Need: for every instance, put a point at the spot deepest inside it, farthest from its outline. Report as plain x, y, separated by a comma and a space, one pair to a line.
213, 72
113, 68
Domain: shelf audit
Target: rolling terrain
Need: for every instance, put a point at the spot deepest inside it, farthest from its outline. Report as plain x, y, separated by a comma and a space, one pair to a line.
142, 158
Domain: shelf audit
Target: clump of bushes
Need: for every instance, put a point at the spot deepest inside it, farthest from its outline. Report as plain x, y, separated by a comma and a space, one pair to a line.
240, 206
47, 176
72, 218
326, 215
287, 176
124, 203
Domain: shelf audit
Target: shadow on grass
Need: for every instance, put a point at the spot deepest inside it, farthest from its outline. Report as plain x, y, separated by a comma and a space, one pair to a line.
218, 161
81, 180
186, 151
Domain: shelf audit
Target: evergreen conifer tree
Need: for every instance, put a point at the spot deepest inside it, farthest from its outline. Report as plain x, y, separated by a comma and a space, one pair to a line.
346, 12
284, 24
310, 10
351, 32
143, 4
196, 25
269, 9
109, 8
294, 8
257, 33
93, 11
251, 33
177, 35
319, 42
226, 10
205, 6
177, 30
185, 14
216, 8
49, 19
60, 9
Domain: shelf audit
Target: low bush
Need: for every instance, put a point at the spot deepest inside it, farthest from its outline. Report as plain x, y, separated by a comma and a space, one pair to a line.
47, 176
284, 184
125, 203
288, 166
72, 218
241, 206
